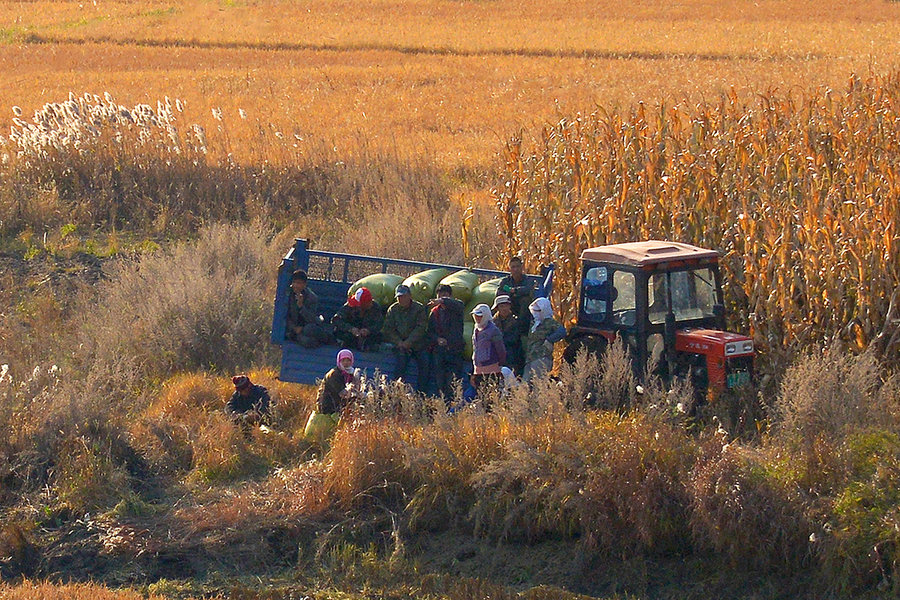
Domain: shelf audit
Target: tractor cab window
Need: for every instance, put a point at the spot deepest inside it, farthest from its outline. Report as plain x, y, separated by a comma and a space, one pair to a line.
693, 295
598, 291
624, 305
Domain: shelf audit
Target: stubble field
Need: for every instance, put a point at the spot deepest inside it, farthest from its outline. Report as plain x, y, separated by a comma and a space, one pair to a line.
445, 78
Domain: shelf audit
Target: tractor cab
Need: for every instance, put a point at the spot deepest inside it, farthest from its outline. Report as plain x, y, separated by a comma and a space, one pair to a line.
664, 301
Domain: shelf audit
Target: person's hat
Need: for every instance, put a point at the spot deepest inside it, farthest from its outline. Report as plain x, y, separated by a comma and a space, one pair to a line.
344, 354
402, 290
482, 311
363, 296
501, 299
241, 382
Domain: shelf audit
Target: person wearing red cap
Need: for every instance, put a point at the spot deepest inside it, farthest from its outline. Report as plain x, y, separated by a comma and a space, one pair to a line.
357, 324
249, 404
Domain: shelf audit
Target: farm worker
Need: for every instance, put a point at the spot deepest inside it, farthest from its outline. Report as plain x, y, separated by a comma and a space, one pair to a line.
358, 322
339, 387
517, 287
512, 330
405, 326
488, 351
445, 340
543, 333
248, 405
304, 324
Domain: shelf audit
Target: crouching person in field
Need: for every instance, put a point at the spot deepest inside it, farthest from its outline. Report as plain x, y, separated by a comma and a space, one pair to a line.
339, 388
358, 323
248, 405
544, 332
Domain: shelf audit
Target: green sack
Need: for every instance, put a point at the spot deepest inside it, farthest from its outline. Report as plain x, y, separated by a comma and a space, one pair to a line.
422, 285
382, 286
483, 293
468, 330
462, 283
320, 427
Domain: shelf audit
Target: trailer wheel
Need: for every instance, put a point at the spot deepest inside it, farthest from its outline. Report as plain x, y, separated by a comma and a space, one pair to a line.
594, 344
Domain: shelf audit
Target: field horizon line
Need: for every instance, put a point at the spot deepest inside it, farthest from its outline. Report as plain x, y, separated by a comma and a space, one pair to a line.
39, 39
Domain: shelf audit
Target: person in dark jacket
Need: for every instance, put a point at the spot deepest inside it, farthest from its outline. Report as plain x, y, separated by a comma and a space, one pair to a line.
340, 386
445, 339
519, 289
304, 324
488, 350
512, 330
359, 321
405, 327
249, 404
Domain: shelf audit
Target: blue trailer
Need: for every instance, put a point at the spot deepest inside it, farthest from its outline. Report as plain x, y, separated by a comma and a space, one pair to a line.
330, 275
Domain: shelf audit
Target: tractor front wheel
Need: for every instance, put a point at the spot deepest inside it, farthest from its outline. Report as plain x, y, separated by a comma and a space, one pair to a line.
593, 344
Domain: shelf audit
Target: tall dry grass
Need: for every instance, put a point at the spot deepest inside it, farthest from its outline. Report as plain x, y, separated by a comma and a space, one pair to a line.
798, 191
200, 304
32, 590
95, 163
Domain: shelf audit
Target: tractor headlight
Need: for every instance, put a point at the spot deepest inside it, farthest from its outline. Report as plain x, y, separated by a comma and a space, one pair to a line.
732, 348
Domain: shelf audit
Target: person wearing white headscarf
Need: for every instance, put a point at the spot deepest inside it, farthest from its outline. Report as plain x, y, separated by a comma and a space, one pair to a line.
544, 332
488, 350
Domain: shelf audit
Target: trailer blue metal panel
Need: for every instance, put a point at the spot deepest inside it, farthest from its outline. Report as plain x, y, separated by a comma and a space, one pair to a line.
330, 276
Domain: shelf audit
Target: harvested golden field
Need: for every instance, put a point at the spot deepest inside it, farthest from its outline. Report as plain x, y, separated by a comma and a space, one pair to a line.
447, 79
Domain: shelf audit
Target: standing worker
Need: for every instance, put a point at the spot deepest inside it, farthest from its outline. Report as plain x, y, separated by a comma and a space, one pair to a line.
488, 351
518, 288
445, 337
405, 326
512, 329
543, 333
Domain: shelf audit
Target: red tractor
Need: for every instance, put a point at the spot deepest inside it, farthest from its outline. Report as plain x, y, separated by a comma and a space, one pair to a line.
664, 300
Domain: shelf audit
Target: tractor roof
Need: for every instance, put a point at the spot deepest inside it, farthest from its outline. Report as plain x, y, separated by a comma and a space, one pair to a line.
641, 254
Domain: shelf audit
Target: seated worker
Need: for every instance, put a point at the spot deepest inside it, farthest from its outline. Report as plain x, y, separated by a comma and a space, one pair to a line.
446, 344
248, 405
358, 322
304, 324
340, 386
405, 326
511, 327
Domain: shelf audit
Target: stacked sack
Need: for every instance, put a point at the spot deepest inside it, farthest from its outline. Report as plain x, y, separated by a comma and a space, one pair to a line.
422, 286
382, 286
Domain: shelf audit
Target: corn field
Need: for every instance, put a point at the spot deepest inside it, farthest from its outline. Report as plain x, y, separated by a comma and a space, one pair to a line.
798, 191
